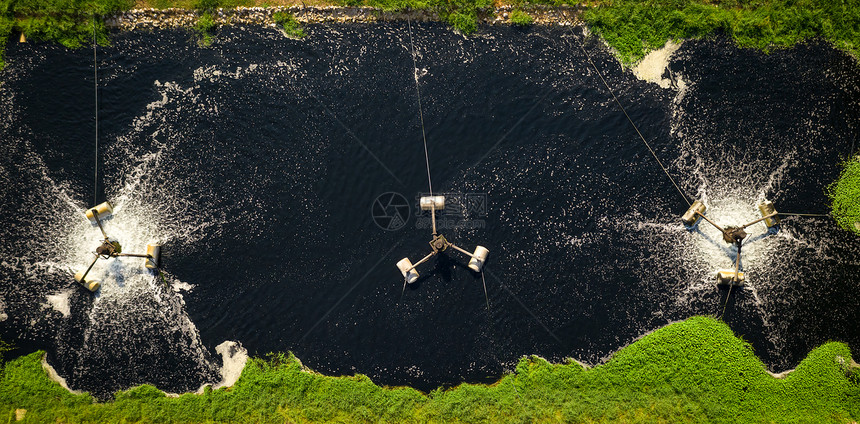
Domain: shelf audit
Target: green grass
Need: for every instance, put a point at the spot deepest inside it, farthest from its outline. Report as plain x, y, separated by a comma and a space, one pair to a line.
844, 194
462, 15
518, 17
205, 28
694, 371
68, 22
288, 22
633, 27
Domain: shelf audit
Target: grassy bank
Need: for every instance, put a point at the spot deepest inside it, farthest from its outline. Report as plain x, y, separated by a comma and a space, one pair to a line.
844, 194
632, 27
694, 371
68, 22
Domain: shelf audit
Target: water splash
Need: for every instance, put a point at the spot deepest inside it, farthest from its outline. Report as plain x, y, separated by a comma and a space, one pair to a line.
136, 324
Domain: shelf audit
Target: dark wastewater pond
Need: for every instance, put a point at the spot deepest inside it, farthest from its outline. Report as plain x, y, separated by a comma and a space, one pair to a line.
256, 163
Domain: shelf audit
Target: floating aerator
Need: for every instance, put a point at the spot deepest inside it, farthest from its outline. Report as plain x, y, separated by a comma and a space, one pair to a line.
409, 273
767, 209
104, 210
91, 284
432, 202
478, 258
153, 251
727, 277
694, 214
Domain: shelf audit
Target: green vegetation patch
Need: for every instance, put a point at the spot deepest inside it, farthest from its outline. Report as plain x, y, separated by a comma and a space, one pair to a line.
634, 27
694, 371
205, 28
462, 15
844, 194
72, 23
288, 22
518, 17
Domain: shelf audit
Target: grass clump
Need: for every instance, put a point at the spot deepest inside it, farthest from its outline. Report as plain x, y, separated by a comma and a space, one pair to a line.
205, 28
6, 25
844, 194
288, 22
71, 23
462, 15
694, 371
633, 27
518, 17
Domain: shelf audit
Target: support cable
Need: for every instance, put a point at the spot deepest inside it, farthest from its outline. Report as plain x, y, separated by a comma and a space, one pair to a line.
728, 296
96, 82
582, 47
734, 279
420, 110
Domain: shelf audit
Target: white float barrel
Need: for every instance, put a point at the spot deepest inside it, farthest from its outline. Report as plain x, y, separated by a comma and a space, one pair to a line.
766, 209
411, 275
91, 284
727, 276
478, 258
104, 210
690, 218
432, 202
154, 251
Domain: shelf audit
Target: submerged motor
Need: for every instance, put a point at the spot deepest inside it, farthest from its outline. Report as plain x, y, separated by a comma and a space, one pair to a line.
109, 248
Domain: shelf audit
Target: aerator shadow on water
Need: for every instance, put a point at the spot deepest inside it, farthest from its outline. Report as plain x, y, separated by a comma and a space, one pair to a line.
439, 244
731, 235
111, 248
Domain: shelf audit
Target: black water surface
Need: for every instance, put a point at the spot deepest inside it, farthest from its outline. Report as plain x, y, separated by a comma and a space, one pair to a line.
271, 151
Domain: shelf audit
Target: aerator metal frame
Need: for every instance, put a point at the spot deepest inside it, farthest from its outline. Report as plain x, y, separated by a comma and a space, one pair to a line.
732, 235
439, 244
111, 248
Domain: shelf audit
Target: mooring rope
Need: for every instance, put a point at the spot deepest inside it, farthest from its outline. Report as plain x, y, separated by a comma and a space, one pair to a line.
420, 110
804, 214
96, 90
732, 284
486, 297
582, 47
728, 296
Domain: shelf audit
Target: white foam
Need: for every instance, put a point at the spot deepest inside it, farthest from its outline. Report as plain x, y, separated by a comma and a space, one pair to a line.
652, 67
60, 302
234, 357
3, 316
182, 286
54, 376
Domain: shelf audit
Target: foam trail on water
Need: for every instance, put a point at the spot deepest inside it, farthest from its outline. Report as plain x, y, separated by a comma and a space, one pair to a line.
135, 329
